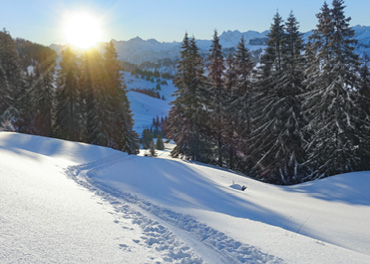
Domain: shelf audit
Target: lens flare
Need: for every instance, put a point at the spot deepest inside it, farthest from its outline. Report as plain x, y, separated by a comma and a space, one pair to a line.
82, 30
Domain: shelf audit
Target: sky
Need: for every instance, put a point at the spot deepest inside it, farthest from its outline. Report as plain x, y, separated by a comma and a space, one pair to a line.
42, 21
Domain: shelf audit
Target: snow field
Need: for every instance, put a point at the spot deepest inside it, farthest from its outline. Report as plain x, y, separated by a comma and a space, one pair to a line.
122, 208
144, 107
47, 218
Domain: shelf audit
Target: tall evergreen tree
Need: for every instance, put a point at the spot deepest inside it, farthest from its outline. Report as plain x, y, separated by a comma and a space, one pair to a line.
277, 140
363, 122
11, 80
122, 137
159, 143
108, 116
241, 103
69, 104
262, 141
43, 93
231, 118
188, 116
331, 100
217, 104
98, 111
6, 98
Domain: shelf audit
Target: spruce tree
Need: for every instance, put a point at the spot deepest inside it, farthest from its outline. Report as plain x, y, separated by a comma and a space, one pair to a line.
69, 103
217, 104
331, 100
188, 117
240, 110
231, 118
159, 143
43, 93
263, 140
363, 114
146, 138
122, 135
98, 110
277, 141
11, 80
291, 88
6, 98
36, 99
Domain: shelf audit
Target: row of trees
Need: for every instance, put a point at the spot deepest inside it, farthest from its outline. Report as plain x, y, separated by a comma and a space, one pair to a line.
301, 114
85, 102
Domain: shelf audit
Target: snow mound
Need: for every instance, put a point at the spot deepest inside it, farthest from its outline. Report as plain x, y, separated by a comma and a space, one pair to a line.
238, 187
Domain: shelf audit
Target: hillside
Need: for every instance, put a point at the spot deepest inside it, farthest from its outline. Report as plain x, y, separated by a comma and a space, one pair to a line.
66, 202
144, 107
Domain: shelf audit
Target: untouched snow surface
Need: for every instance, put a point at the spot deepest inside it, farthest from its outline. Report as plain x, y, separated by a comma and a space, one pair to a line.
66, 202
144, 107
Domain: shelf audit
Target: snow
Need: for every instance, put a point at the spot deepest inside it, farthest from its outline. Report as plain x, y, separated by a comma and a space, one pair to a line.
144, 107
66, 202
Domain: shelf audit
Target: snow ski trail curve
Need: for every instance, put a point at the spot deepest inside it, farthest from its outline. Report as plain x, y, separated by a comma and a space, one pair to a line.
160, 225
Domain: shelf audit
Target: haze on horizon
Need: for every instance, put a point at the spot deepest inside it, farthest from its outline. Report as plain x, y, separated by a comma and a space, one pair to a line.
41, 21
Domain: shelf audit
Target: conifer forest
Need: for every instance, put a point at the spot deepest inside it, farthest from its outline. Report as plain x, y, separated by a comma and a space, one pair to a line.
300, 113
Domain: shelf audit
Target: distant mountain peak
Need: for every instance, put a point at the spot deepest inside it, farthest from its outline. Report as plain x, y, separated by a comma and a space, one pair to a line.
137, 50
135, 39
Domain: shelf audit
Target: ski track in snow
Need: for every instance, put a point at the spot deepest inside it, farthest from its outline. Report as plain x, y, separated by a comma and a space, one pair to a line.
160, 225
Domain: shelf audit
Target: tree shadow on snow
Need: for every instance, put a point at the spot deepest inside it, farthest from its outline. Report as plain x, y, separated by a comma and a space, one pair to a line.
174, 183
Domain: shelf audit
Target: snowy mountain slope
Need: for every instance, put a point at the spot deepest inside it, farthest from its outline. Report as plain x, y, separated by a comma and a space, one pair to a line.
134, 209
137, 50
144, 107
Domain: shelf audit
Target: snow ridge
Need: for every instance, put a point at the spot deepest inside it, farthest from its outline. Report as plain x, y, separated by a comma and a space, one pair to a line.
160, 225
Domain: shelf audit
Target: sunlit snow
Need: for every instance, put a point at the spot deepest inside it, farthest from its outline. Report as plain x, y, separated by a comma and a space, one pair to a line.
65, 202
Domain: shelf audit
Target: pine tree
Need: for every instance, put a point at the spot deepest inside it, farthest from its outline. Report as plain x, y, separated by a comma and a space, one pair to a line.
69, 112
6, 98
240, 110
122, 135
217, 104
43, 93
146, 138
290, 86
363, 114
331, 101
231, 118
11, 80
188, 116
98, 111
277, 141
159, 143
266, 121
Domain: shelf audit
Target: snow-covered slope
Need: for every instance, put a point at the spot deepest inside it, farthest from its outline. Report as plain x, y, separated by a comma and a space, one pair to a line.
65, 202
144, 107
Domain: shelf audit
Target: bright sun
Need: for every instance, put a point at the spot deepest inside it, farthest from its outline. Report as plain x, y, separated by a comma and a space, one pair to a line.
82, 30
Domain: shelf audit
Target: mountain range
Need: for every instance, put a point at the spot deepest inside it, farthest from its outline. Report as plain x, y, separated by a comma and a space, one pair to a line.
138, 51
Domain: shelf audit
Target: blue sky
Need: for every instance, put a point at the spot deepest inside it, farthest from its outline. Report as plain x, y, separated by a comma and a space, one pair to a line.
41, 21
